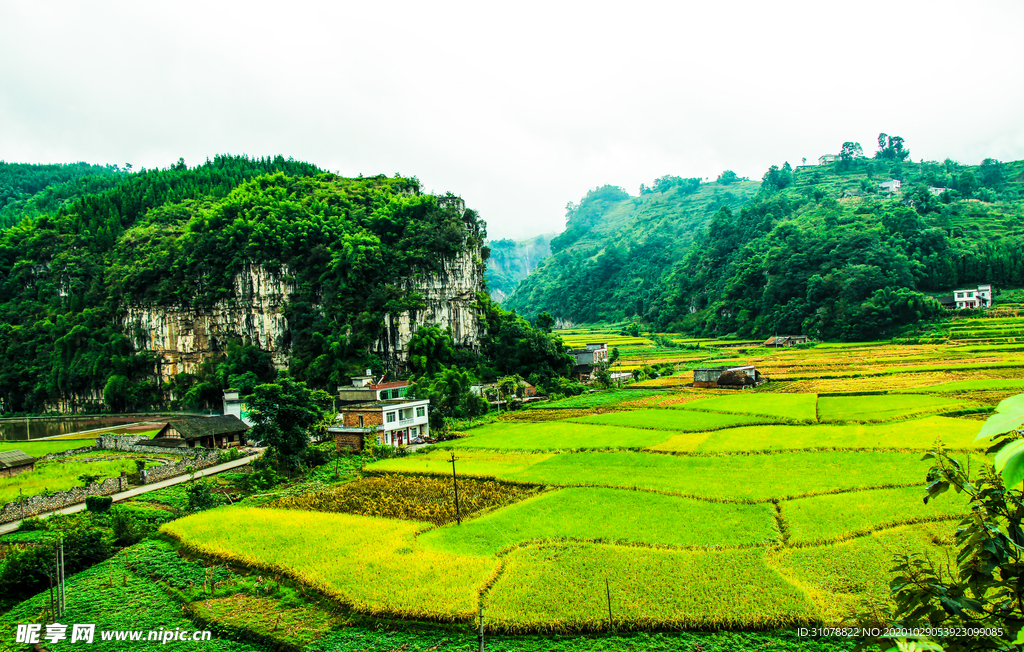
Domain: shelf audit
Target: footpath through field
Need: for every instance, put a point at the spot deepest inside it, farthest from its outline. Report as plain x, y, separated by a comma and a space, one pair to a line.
7, 528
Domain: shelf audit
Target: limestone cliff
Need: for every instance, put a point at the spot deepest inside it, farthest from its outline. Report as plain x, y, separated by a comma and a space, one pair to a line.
185, 337
448, 297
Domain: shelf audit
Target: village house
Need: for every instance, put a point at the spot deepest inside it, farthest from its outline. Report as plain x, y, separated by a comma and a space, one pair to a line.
391, 422
968, 298
380, 410
226, 431
892, 186
747, 376
588, 359
235, 406
14, 462
786, 340
827, 159
364, 389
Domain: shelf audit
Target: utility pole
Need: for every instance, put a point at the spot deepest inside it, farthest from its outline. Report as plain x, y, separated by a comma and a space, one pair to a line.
61, 595
481, 635
608, 592
455, 483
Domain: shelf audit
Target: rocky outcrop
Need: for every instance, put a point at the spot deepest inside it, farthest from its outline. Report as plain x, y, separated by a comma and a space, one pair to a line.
448, 301
185, 337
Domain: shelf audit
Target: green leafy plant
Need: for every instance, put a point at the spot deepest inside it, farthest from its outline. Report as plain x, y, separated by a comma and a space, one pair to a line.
984, 588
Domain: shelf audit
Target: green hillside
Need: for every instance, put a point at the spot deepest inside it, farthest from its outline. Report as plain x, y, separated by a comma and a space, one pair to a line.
177, 237
29, 190
510, 262
820, 250
616, 251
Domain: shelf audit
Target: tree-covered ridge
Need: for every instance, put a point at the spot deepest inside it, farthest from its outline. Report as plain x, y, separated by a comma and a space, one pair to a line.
824, 251
28, 190
177, 237
612, 259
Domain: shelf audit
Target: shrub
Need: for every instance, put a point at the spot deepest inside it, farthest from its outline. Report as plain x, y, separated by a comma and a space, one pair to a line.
260, 480
230, 455
32, 524
98, 503
200, 495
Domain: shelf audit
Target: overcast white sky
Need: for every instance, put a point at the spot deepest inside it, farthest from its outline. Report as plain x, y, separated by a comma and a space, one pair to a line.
517, 107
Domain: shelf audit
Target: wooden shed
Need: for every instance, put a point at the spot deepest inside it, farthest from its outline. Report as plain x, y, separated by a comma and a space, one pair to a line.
209, 432
746, 376
14, 462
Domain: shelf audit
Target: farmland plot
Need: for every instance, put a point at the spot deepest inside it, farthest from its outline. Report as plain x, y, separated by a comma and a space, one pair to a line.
791, 407
917, 434
561, 588
677, 420
609, 515
556, 435
883, 407
338, 554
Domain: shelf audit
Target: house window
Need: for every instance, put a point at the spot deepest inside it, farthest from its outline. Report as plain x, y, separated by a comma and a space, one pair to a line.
421, 411
412, 432
360, 421
391, 417
385, 395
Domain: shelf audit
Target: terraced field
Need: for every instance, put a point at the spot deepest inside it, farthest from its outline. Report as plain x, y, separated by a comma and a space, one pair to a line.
661, 506
683, 509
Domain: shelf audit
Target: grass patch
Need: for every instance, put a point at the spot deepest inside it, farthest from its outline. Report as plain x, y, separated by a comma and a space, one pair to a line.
555, 435
38, 448
372, 564
825, 518
678, 420
845, 578
416, 498
793, 407
609, 515
917, 434
881, 407
59, 476
561, 588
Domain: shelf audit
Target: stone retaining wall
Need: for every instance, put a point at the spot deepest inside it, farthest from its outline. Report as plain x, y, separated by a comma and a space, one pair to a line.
45, 503
187, 465
133, 444
73, 451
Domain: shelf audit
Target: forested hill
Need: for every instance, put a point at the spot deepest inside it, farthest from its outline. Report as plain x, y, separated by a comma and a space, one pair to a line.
178, 237
29, 190
614, 256
820, 250
511, 262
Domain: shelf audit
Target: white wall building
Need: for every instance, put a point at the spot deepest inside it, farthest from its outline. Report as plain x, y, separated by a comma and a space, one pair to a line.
979, 297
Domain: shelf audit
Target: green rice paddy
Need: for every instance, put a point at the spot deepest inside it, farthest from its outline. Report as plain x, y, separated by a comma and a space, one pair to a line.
683, 508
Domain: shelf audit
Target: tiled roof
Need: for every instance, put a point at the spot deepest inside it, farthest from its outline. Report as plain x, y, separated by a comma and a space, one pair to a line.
397, 383
15, 458
207, 426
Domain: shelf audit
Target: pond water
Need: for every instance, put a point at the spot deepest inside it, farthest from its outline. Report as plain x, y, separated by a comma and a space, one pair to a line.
39, 427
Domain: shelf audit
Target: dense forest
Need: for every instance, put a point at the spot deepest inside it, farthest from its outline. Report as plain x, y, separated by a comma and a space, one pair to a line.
177, 237
821, 250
